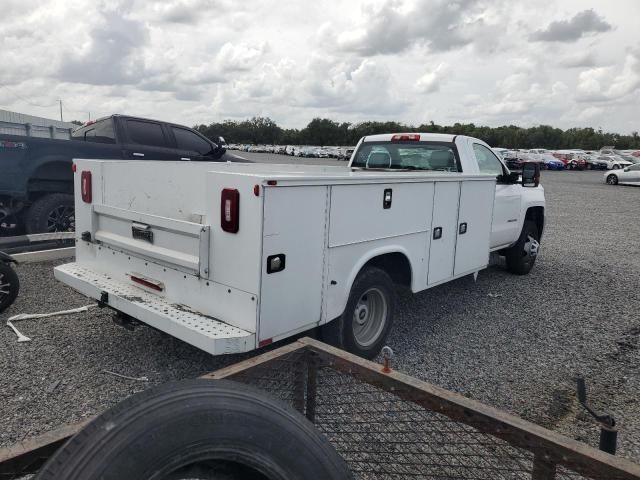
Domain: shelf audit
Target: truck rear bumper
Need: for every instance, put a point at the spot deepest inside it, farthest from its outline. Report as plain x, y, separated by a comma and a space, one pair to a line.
206, 333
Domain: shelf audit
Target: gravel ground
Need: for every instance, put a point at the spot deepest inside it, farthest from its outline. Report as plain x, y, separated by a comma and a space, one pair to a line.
513, 342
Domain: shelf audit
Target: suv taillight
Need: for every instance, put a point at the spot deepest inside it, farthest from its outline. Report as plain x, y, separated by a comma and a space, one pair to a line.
230, 210
85, 186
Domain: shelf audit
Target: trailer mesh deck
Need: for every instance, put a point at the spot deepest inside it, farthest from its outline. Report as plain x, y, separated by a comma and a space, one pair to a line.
387, 425
391, 426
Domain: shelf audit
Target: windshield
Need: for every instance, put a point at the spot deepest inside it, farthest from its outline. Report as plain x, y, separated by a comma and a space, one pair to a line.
433, 156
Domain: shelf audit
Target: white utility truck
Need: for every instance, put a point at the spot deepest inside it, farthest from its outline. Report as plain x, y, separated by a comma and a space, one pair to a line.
231, 257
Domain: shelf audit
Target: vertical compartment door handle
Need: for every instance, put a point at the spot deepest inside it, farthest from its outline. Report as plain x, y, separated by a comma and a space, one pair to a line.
462, 229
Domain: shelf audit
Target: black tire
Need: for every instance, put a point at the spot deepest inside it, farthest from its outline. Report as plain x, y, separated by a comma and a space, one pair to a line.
341, 332
612, 179
51, 213
616, 167
197, 429
519, 261
9, 286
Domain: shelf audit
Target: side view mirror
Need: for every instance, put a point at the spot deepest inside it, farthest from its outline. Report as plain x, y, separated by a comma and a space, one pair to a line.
530, 174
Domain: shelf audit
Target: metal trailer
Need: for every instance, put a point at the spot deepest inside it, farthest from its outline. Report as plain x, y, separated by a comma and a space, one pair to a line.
388, 425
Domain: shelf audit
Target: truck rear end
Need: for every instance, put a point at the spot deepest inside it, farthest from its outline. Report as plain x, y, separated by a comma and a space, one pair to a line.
145, 247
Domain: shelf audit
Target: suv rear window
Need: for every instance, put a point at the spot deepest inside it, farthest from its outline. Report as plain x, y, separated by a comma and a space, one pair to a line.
146, 133
431, 156
99, 132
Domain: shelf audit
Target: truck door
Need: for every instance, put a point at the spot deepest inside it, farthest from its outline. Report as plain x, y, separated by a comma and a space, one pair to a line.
147, 140
506, 209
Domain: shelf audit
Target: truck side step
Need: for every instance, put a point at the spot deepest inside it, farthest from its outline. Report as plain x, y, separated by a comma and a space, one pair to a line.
201, 331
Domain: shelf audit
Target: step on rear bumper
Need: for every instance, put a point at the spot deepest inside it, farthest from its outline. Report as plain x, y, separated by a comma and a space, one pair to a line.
206, 333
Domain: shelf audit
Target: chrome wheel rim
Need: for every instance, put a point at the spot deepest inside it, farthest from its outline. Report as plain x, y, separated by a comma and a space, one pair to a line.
369, 317
611, 179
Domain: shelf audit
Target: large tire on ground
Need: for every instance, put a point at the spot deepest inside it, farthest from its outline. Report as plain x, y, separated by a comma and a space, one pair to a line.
9, 286
368, 317
612, 179
522, 256
51, 213
197, 429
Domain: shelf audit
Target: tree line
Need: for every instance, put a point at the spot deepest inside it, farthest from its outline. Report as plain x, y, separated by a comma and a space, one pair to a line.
323, 132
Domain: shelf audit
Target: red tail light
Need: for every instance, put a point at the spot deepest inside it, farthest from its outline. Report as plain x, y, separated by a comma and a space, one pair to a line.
230, 210
147, 282
85, 186
406, 137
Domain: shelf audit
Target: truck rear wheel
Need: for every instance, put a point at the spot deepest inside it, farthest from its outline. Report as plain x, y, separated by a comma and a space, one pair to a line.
9, 286
367, 320
51, 213
521, 257
198, 429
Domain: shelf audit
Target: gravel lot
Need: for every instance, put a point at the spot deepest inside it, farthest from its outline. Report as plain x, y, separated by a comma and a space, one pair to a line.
513, 342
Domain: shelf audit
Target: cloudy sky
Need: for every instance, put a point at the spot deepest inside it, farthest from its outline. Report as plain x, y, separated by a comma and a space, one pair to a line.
560, 62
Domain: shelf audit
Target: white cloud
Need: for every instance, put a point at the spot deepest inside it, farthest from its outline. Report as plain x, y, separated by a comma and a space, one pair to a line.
241, 57
581, 24
431, 81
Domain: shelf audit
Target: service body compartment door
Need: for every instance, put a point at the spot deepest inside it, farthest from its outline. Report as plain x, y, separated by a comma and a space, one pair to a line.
443, 231
474, 226
361, 213
294, 228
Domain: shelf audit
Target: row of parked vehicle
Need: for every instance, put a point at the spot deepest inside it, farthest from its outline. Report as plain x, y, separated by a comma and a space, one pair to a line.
607, 158
340, 153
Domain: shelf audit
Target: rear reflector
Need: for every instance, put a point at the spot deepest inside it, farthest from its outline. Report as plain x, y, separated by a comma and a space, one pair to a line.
264, 343
147, 282
74, 167
230, 210
85, 186
406, 137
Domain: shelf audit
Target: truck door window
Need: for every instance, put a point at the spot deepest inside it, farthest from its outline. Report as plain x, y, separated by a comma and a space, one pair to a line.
187, 140
146, 133
487, 161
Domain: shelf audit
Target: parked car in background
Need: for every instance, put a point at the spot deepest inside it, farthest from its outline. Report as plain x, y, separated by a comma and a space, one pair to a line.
552, 163
628, 176
571, 159
36, 182
615, 162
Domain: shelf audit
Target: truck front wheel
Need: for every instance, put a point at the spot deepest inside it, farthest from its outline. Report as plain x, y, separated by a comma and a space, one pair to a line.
366, 322
522, 256
51, 213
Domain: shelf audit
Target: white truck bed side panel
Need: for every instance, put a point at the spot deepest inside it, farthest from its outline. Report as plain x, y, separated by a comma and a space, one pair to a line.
358, 215
476, 211
294, 226
346, 261
445, 217
235, 258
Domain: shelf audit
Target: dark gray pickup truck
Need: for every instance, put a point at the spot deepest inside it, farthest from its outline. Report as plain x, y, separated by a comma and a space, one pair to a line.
36, 182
